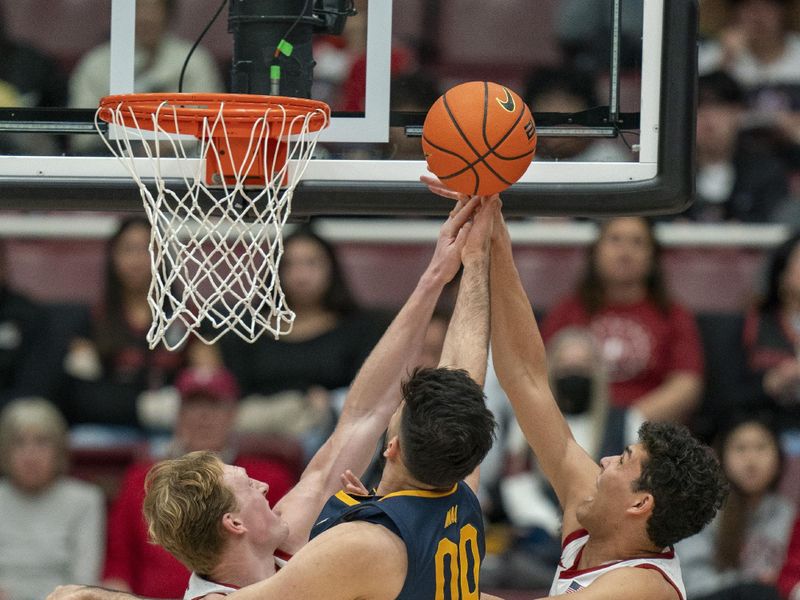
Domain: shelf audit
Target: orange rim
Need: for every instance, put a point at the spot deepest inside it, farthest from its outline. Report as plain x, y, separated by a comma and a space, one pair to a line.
240, 112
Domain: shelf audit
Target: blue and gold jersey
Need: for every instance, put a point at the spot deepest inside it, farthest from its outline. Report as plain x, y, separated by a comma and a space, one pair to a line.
442, 531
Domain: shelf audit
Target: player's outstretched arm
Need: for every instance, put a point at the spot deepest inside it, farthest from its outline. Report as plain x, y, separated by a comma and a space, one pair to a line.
466, 345
519, 359
375, 392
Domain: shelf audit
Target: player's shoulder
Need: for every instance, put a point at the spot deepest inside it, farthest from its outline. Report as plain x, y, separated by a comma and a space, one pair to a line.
366, 537
634, 582
360, 539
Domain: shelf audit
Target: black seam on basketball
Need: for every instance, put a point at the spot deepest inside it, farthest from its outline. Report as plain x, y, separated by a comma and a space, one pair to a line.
472, 166
505, 136
481, 159
462, 171
485, 115
446, 151
458, 127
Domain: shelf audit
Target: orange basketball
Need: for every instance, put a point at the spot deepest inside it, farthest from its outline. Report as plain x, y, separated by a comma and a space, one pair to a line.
479, 138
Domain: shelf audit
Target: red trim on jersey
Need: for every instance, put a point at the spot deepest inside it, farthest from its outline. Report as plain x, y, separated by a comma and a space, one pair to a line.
572, 537
282, 555
573, 571
664, 575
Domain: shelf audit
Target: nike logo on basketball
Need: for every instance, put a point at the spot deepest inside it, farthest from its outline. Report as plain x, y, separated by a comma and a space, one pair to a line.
507, 104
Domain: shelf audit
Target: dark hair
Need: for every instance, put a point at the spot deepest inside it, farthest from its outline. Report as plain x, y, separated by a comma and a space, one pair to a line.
113, 290
685, 479
719, 88
591, 289
338, 297
107, 334
777, 265
736, 513
570, 81
445, 428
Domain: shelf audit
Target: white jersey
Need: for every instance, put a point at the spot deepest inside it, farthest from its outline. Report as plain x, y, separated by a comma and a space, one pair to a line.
199, 587
569, 579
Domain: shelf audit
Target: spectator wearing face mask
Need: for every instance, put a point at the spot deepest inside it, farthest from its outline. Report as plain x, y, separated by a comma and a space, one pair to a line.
580, 384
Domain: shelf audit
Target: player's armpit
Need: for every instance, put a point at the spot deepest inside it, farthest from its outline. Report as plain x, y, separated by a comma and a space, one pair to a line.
630, 583
350, 561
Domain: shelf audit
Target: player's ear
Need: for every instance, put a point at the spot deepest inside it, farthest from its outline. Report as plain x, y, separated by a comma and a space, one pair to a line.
392, 448
233, 524
643, 504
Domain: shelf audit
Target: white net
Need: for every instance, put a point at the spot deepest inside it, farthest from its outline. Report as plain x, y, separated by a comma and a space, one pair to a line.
215, 251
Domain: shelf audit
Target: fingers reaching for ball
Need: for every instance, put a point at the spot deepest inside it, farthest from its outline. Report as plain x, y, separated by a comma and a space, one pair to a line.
438, 188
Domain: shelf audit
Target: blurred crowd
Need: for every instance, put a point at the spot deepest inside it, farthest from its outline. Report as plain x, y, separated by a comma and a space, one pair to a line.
84, 416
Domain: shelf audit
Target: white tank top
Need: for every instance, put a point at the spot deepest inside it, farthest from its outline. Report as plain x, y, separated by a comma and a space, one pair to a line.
199, 587
569, 579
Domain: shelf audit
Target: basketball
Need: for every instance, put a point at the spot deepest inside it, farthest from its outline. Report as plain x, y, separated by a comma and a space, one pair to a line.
479, 138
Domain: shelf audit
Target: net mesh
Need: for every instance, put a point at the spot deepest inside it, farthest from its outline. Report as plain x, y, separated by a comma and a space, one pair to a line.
216, 242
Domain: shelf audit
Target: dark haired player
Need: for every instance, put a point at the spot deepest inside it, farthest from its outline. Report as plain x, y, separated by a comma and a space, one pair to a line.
620, 517
421, 535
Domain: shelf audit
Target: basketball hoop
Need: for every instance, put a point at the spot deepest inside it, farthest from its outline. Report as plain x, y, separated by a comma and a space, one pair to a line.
216, 237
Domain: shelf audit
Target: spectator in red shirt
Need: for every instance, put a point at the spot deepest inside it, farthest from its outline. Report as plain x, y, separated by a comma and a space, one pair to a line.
649, 342
207, 412
789, 578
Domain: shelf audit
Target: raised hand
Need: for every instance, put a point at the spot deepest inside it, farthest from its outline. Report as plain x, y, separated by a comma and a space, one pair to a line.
440, 189
352, 484
452, 237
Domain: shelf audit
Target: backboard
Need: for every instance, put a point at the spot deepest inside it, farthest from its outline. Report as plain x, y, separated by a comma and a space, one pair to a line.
611, 84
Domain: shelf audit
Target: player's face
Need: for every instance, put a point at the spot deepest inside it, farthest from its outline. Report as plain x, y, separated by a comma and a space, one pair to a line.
750, 458
264, 527
132, 258
624, 252
306, 272
614, 494
393, 430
